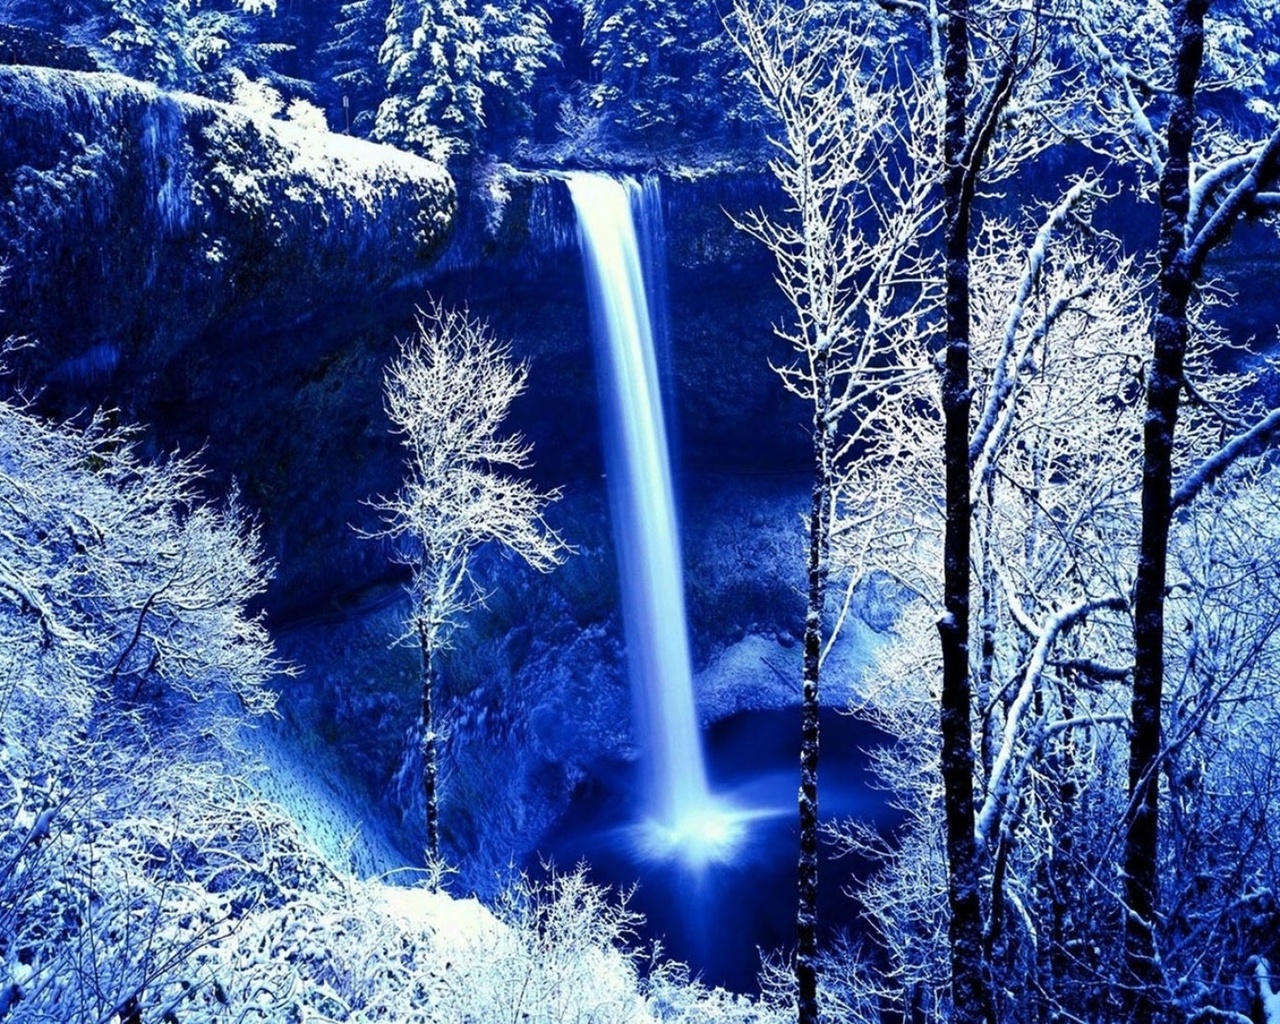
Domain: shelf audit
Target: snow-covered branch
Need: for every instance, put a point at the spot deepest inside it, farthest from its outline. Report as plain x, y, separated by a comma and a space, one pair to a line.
1047, 635
1250, 442
1261, 174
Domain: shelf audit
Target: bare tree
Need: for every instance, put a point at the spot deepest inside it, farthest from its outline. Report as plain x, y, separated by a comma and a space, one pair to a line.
1054, 491
1040, 401
1207, 178
447, 395
851, 153
977, 100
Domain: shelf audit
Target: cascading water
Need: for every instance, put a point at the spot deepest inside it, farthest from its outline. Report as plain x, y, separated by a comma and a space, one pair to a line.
683, 818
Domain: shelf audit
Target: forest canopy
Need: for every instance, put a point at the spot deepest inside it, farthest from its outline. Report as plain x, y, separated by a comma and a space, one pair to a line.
444, 78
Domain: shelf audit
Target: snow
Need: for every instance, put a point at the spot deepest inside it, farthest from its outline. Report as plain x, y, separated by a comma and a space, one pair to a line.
1267, 995
762, 672
454, 923
88, 152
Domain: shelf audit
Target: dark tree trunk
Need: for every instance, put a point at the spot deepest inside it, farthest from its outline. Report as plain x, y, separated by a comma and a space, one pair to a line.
430, 752
1164, 384
1062, 881
968, 990
819, 542
1183, 250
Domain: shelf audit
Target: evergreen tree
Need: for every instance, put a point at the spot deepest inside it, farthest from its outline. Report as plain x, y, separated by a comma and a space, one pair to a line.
173, 43
147, 40
449, 66
351, 62
667, 69
517, 48
431, 56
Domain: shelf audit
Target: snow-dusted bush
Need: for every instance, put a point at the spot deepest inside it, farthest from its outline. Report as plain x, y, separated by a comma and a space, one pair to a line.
128, 658
554, 952
116, 581
258, 97
141, 879
306, 114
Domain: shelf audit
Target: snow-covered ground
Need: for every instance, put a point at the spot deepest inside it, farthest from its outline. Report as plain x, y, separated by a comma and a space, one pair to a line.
321, 800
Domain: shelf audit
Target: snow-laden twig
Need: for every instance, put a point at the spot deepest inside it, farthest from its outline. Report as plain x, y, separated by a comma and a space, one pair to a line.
1240, 446
1004, 376
1261, 174
1048, 632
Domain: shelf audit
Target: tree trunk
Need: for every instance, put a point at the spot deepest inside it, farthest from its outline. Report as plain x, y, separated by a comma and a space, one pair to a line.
970, 1002
1164, 384
1063, 883
806, 967
430, 752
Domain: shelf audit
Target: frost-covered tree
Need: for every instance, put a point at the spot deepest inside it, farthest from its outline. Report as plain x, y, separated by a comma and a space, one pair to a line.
141, 878
447, 395
451, 66
852, 154
666, 70
518, 48
1208, 178
147, 37
128, 659
1052, 473
868, 186
431, 59
174, 43
119, 582
1052, 530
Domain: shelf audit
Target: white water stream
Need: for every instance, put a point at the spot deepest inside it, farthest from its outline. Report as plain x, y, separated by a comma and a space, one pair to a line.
682, 817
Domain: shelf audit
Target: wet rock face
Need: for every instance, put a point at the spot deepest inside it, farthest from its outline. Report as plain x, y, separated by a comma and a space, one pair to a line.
206, 273
134, 222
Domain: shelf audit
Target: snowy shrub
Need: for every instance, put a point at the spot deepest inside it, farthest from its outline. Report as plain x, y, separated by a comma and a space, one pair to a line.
306, 114
128, 659
675, 998
257, 97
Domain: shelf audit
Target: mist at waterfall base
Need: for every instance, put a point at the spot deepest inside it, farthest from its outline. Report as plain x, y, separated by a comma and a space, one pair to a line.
720, 916
712, 846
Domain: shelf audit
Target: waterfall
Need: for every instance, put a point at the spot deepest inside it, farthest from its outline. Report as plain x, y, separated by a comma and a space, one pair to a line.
683, 817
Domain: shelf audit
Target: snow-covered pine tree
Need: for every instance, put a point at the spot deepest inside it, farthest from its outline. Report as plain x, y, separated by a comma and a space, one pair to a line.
148, 39
351, 62
455, 69
517, 48
173, 43
432, 60
667, 70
